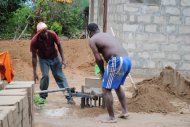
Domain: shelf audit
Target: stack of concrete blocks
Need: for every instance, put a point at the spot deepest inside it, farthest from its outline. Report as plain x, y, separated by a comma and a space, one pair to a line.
8, 116
16, 105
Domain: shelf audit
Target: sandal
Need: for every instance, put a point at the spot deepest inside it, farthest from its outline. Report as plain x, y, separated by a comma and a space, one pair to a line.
109, 120
123, 116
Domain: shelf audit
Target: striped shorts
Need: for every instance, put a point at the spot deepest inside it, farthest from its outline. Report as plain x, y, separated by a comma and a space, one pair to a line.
116, 72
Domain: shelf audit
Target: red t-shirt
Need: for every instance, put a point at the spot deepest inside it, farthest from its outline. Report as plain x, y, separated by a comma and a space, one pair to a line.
45, 48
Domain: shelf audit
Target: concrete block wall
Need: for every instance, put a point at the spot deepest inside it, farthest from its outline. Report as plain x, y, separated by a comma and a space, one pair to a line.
155, 36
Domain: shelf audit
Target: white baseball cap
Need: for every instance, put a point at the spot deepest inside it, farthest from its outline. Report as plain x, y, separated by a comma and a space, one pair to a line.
41, 26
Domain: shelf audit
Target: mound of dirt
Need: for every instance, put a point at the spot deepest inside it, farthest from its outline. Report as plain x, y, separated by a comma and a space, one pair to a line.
155, 94
77, 54
152, 97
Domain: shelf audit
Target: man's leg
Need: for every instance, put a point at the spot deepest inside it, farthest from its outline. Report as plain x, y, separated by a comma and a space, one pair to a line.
60, 77
58, 74
121, 96
108, 98
44, 82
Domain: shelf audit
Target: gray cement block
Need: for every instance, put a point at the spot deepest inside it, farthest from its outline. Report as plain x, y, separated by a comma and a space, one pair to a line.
12, 101
93, 82
4, 118
10, 114
93, 86
13, 92
25, 122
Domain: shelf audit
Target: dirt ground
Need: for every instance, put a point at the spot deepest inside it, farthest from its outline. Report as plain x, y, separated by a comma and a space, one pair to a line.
159, 103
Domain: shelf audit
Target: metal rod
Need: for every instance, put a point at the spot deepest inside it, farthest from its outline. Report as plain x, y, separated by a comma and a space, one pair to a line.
52, 90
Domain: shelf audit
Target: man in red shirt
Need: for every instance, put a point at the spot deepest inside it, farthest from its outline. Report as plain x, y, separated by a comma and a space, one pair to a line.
43, 45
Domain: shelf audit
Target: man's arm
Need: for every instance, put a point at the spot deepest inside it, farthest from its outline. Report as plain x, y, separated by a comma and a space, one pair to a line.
60, 49
34, 65
61, 54
97, 56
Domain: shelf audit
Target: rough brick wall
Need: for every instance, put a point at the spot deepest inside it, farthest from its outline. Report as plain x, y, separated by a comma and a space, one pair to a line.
155, 36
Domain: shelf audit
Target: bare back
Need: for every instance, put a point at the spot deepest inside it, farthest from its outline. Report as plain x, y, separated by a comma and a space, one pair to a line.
106, 45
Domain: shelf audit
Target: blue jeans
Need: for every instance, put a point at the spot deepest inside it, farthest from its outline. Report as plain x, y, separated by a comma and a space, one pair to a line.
56, 68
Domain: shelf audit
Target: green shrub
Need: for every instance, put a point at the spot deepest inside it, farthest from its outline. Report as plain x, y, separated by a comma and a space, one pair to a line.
56, 27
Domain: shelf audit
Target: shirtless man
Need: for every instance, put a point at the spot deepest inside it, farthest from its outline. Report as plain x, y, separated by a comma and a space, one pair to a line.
117, 69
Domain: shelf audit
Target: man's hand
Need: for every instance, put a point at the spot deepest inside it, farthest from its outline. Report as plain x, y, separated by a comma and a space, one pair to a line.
101, 75
35, 77
64, 64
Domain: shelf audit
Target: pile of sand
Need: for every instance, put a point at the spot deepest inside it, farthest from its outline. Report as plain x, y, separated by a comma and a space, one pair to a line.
79, 55
155, 94
152, 97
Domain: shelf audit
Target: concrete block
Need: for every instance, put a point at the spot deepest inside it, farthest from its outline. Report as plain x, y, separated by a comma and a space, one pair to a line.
184, 29
132, 18
150, 47
18, 118
129, 36
175, 20
12, 101
185, 66
170, 29
172, 11
159, 19
144, 19
151, 28
158, 55
157, 37
19, 125
144, 55
187, 21
130, 46
14, 113
186, 12
93, 82
185, 2
173, 56
169, 47
130, 28
150, 10
9, 110
13, 92
130, 9
4, 118
168, 2
187, 57
25, 113
183, 39
25, 122
142, 37
144, 63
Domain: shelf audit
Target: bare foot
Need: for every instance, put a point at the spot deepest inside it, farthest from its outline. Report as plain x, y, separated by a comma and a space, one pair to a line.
109, 120
123, 116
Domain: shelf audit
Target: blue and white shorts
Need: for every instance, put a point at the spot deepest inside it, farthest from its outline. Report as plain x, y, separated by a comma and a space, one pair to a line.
116, 72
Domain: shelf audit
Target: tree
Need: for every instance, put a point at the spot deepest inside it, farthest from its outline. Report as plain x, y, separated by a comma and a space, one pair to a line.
7, 7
